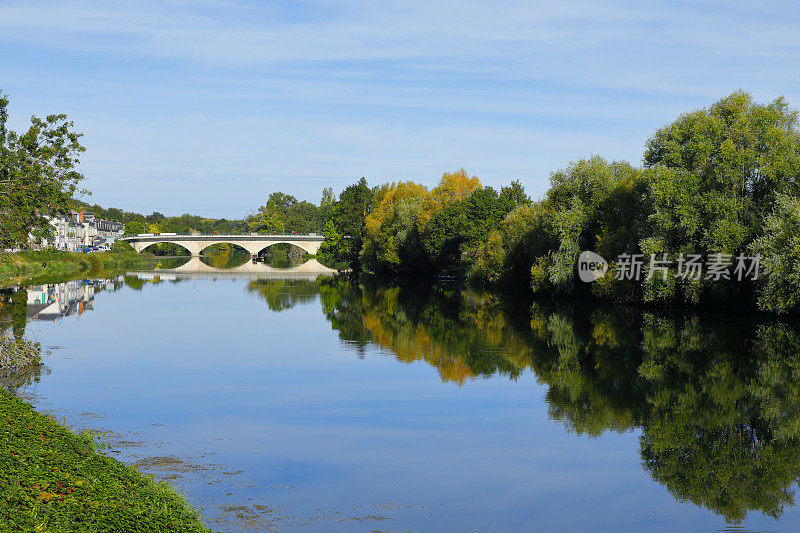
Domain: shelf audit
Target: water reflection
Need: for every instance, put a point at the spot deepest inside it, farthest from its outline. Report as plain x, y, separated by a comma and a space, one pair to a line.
199, 267
717, 398
282, 294
229, 257
51, 302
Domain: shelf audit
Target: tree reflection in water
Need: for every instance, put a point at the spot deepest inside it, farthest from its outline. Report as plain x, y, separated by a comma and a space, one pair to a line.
283, 294
716, 397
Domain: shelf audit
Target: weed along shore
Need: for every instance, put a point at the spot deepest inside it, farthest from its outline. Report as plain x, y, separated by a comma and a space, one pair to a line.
54, 480
52, 264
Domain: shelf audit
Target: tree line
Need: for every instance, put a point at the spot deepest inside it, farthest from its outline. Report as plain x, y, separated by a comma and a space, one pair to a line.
719, 182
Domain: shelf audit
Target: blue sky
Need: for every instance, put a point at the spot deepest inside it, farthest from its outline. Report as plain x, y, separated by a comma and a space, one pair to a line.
207, 106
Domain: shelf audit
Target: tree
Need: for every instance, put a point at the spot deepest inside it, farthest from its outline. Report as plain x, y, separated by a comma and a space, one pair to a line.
452, 236
452, 187
134, 227
779, 249
266, 221
284, 214
514, 195
328, 198
280, 202
392, 230
344, 236
303, 217
326, 203
738, 150
717, 175
37, 175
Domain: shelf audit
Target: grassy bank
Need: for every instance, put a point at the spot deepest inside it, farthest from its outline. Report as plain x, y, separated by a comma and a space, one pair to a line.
54, 480
57, 264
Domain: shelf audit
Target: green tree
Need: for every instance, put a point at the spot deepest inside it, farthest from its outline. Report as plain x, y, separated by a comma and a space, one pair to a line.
266, 222
514, 195
718, 174
392, 242
344, 235
134, 227
37, 175
779, 249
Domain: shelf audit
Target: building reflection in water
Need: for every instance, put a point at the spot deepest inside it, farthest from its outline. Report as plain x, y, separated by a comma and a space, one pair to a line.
55, 301
51, 302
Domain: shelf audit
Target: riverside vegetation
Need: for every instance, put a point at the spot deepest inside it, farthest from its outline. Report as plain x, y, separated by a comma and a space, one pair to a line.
58, 264
720, 180
52, 479
717, 181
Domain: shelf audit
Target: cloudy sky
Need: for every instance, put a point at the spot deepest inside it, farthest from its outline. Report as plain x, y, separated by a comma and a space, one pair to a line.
206, 106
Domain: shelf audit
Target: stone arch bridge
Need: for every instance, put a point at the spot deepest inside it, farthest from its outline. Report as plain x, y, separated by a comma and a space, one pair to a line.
252, 243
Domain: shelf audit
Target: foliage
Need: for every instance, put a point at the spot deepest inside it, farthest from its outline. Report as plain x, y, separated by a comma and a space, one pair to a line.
37, 175
413, 230
54, 480
50, 264
392, 229
719, 172
779, 247
284, 214
343, 230
517, 252
716, 181
719, 180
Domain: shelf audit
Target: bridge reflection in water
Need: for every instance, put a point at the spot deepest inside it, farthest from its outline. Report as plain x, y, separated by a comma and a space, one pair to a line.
196, 268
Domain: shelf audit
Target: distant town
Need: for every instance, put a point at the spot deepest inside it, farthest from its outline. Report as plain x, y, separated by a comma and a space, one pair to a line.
79, 231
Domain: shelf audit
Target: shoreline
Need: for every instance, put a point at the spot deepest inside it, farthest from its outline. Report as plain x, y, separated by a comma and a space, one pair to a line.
56, 480
49, 265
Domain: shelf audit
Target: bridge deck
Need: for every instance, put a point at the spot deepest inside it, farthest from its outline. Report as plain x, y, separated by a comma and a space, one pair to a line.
215, 237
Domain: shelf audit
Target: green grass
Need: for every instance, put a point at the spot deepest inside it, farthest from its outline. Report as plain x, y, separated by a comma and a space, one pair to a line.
47, 265
54, 480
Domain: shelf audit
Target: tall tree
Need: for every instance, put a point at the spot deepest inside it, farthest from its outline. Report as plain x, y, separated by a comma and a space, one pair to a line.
344, 229
37, 175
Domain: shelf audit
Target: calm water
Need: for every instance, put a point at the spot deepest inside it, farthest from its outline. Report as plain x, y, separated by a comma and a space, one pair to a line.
287, 401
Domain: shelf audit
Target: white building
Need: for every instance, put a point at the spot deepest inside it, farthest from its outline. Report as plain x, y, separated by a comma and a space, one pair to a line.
78, 229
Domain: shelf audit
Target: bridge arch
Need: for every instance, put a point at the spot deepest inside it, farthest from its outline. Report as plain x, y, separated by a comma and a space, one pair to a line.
253, 243
303, 246
235, 246
179, 244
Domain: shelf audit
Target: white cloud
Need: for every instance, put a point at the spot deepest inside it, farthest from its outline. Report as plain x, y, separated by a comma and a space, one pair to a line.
201, 92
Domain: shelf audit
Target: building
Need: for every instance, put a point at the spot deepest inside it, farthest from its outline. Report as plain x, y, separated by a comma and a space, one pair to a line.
79, 229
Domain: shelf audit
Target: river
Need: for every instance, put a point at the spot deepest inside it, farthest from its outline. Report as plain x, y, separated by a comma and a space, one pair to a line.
288, 400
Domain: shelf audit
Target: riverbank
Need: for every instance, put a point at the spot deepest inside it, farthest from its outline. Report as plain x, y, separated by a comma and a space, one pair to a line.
45, 264
54, 480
